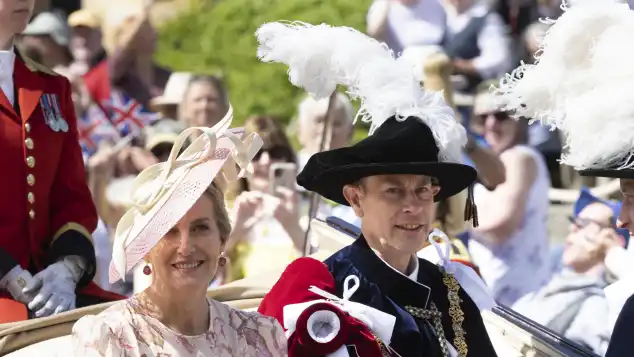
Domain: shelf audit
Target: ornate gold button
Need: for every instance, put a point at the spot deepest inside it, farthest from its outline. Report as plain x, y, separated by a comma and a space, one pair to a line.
29, 143
32, 214
31, 197
27, 127
30, 179
30, 161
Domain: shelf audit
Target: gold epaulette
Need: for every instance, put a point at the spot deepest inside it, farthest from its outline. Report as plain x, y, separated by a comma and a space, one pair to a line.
37, 67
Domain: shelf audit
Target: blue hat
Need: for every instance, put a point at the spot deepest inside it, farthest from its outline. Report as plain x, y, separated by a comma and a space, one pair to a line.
586, 197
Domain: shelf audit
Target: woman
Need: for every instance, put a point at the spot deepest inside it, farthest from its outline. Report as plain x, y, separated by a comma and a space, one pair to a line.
264, 223
510, 246
205, 101
178, 227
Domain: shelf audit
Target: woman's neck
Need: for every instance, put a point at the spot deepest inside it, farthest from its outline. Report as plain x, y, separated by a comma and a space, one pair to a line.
187, 314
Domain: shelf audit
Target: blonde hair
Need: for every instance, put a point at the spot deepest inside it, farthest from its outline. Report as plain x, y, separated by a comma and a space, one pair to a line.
220, 210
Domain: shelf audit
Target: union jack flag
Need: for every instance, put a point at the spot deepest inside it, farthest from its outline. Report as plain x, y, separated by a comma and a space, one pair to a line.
128, 115
93, 128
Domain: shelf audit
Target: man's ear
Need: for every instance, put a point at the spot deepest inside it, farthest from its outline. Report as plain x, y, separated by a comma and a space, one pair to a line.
352, 194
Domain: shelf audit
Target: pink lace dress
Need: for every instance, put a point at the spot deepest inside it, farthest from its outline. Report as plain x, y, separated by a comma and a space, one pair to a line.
126, 330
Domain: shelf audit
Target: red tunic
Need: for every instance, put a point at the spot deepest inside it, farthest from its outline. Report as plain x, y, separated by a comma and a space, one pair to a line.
46, 210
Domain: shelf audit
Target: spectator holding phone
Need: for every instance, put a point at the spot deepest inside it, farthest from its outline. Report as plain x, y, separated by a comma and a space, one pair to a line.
265, 215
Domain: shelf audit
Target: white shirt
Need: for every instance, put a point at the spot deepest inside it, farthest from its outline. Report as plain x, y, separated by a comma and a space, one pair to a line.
7, 64
493, 40
422, 24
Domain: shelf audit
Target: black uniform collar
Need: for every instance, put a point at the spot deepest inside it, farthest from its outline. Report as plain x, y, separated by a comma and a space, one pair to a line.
398, 287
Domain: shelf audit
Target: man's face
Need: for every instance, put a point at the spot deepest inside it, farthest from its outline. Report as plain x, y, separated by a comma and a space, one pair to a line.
15, 15
397, 210
626, 216
85, 43
583, 249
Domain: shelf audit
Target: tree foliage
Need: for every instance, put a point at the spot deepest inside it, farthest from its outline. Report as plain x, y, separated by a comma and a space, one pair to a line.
217, 37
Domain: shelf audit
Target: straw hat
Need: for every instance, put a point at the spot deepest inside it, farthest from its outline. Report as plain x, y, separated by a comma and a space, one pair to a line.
84, 18
163, 193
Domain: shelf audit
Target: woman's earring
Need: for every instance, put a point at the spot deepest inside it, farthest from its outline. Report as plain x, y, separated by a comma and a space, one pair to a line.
147, 270
222, 260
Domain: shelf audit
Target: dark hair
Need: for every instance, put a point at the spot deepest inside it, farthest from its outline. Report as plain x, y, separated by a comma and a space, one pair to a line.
273, 135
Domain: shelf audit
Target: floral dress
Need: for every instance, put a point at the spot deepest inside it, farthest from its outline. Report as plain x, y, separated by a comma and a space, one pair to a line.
126, 330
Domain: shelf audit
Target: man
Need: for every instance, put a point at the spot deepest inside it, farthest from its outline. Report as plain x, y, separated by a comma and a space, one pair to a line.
582, 98
573, 303
85, 41
47, 213
391, 180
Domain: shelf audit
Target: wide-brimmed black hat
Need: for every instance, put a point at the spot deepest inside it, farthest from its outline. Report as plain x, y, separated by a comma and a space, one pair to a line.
396, 147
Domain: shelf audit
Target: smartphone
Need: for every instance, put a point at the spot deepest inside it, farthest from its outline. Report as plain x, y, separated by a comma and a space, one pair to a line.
282, 174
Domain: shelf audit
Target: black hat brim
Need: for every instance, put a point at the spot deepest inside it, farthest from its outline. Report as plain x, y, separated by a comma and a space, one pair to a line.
452, 177
612, 173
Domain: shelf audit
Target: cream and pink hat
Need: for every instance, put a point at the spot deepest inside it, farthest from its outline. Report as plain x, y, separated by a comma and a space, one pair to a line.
163, 193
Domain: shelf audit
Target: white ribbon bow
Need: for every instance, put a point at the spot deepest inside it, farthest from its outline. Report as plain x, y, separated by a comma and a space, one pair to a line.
154, 182
379, 322
466, 276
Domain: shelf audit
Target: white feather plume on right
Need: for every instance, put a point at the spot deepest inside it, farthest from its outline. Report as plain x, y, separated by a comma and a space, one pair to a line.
321, 57
580, 83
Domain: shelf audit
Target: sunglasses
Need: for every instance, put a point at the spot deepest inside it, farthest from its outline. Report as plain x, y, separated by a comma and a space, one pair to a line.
583, 223
275, 153
499, 116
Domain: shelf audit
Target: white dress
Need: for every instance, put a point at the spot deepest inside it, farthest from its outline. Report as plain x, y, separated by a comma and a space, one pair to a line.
127, 330
520, 265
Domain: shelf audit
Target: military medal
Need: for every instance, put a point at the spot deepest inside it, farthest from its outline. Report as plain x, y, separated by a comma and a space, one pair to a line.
47, 111
52, 113
62, 124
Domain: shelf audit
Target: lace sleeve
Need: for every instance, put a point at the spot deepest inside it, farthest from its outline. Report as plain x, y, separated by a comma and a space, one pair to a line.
92, 336
274, 336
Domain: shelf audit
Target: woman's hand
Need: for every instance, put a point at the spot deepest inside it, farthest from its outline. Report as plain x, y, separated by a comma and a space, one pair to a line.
102, 164
245, 207
132, 160
287, 208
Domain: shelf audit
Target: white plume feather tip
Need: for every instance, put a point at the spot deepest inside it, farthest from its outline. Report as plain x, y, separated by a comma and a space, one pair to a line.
579, 83
320, 57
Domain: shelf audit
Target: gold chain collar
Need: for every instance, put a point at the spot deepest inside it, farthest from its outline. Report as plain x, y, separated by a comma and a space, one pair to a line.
456, 313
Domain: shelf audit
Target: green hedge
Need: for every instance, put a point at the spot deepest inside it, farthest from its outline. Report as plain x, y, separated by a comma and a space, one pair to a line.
217, 37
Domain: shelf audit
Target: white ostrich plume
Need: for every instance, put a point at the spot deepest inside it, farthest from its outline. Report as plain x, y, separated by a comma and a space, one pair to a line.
321, 57
579, 83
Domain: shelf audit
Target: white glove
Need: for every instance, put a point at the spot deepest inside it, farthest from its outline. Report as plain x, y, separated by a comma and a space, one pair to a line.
15, 281
55, 287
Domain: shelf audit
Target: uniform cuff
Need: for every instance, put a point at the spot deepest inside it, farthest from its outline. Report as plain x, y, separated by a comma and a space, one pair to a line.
6, 263
74, 239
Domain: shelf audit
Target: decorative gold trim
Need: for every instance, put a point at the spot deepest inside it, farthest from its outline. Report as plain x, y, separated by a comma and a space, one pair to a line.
36, 67
434, 316
72, 226
456, 313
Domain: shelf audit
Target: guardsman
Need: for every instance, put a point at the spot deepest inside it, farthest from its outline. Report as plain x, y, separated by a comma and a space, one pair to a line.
47, 259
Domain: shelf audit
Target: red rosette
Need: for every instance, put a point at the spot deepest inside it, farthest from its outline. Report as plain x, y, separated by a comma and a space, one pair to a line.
306, 341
